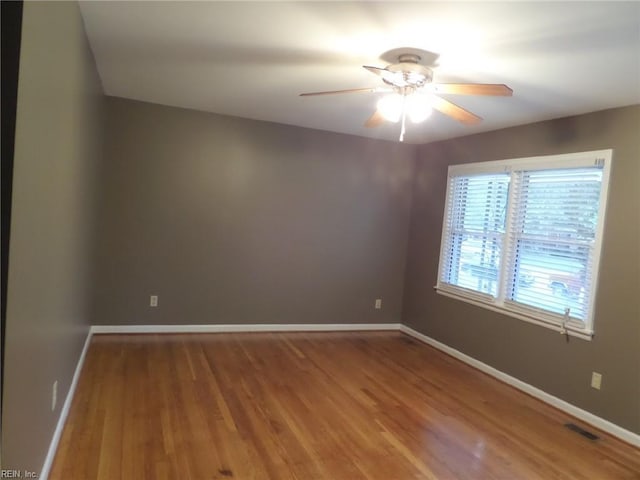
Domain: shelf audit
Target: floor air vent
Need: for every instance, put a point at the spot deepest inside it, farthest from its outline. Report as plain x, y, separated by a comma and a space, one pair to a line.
581, 431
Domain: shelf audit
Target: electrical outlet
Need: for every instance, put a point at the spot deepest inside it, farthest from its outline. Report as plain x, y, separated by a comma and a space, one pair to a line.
596, 380
54, 395
153, 301
378, 303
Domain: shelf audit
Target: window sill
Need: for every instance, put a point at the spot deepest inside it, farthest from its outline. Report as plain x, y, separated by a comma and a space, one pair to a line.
569, 330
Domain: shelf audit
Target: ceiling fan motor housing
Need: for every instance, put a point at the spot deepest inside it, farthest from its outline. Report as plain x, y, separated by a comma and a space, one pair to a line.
409, 73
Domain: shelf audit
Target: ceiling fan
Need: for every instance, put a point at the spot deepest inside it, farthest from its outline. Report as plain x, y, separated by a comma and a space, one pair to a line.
413, 93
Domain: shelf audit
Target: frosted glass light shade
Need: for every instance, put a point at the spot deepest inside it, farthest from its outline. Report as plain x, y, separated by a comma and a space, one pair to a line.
418, 107
390, 107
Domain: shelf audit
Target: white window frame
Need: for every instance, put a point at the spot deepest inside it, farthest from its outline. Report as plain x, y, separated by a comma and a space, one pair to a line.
582, 329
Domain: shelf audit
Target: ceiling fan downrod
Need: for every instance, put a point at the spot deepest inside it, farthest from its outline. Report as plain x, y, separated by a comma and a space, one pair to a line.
408, 58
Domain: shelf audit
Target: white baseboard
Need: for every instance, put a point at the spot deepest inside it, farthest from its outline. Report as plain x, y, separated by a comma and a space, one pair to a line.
590, 418
64, 412
329, 327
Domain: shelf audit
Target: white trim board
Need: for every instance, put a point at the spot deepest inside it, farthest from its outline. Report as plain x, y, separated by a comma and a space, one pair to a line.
64, 412
277, 327
590, 418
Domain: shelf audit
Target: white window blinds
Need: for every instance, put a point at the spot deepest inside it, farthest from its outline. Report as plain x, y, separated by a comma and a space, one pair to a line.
523, 236
553, 239
474, 232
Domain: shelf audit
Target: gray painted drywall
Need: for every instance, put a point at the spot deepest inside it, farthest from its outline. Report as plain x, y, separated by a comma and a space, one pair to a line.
531, 353
57, 148
234, 221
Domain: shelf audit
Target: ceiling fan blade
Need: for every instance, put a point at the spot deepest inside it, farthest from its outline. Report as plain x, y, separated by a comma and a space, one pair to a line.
374, 120
334, 92
496, 89
454, 111
392, 78
376, 70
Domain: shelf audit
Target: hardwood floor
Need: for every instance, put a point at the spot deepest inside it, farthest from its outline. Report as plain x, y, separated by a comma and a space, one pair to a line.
337, 406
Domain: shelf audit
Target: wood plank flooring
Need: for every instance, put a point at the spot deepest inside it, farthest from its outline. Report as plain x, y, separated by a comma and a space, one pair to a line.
335, 406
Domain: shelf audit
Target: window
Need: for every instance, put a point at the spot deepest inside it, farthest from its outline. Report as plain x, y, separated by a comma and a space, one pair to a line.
523, 237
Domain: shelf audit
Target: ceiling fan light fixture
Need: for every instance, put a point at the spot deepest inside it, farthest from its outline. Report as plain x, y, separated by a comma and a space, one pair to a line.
391, 106
417, 107
414, 93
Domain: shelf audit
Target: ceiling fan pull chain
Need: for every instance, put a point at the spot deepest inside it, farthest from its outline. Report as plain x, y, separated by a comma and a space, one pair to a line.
404, 117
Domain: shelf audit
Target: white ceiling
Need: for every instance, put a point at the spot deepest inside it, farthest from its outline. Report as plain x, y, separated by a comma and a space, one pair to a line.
252, 59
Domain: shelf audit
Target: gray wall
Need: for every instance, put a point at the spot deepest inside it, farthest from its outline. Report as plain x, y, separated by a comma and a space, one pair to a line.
57, 148
531, 353
234, 221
